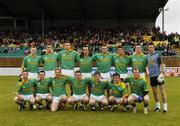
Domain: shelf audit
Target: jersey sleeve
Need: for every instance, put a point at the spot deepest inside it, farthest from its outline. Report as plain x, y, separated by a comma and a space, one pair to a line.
77, 57
126, 80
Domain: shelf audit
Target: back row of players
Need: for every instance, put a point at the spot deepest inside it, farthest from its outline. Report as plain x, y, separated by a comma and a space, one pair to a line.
67, 59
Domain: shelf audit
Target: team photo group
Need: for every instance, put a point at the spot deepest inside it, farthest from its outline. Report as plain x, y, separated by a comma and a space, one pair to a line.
59, 80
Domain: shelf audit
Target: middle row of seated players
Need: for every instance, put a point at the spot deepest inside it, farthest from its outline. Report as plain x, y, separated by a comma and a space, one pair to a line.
53, 91
67, 59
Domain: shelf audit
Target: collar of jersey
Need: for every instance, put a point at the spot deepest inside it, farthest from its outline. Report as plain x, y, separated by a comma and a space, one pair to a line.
32, 55
119, 84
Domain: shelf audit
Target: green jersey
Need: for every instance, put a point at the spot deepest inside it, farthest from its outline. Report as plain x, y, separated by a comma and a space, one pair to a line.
31, 63
50, 61
121, 64
98, 88
25, 88
68, 59
138, 86
118, 90
103, 62
43, 86
85, 64
139, 61
79, 86
58, 86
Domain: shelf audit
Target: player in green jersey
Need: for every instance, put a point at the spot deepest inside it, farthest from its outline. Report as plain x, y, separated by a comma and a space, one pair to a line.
79, 86
139, 91
104, 62
98, 88
24, 91
121, 62
86, 62
50, 61
31, 63
58, 84
140, 61
118, 93
43, 90
68, 58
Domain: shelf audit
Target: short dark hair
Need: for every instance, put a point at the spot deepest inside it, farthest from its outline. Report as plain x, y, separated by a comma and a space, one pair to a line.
116, 74
41, 71
97, 73
24, 71
135, 69
77, 71
120, 47
151, 44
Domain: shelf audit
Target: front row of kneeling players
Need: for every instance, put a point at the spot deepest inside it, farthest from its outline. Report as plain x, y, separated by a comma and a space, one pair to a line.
86, 91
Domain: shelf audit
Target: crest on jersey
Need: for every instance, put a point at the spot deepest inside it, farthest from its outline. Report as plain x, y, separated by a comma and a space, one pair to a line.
29, 60
45, 57
117, 61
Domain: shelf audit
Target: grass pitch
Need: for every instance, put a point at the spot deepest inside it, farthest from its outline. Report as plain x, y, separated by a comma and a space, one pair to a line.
11, 116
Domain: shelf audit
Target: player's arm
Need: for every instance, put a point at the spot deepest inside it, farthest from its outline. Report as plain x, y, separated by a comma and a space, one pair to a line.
23, 66
17, 89
127, 81
89, 87
41, 61
70, 82
108, 87
162, 65
50, 86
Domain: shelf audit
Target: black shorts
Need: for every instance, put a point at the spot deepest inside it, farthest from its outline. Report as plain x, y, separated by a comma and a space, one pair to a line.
154, 82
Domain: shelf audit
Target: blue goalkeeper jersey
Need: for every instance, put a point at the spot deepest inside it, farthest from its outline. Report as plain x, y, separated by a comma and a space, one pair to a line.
154, 62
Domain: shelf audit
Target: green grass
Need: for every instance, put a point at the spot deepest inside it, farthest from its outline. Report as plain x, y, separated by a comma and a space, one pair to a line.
10, 115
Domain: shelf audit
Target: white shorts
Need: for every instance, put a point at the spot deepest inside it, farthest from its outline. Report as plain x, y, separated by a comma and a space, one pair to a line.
50, 73
43, 96
84, 75
27, 97
135, 95
79, 97
67, 72
97, 98
106, 76
123, 76
58, 99
32, 75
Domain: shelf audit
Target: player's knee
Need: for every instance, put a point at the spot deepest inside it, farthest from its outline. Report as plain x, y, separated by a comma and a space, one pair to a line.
92, 102
32, 100
38, 99
130, 99
64, 99
146, 98
105, 101
54, 107
85, 99
70, 100
111, 99
15, 99
49, 98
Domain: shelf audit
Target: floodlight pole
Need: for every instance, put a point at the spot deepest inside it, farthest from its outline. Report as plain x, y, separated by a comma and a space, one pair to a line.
163, 20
